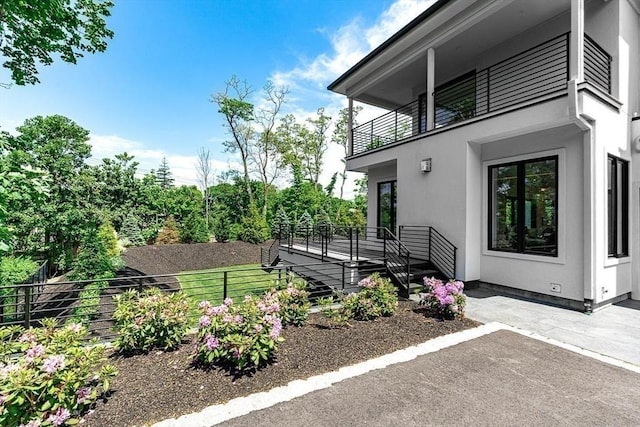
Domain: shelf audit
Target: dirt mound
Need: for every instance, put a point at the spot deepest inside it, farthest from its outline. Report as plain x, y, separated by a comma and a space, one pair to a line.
169, 259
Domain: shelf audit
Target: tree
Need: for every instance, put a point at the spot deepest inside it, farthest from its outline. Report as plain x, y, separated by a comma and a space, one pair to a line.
57, 146
193, 229
303, 147
266, 153
168, 234
239, 115
32, 31
130, 231
204, 171
93, 260
164, 177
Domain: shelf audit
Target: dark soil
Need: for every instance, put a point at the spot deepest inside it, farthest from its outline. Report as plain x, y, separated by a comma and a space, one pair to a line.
169, 259
160, 385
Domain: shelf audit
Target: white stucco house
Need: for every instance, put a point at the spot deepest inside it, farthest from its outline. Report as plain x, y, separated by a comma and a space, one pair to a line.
513, 129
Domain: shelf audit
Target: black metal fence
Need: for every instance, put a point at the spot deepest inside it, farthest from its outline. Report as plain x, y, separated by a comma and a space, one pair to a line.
65, 302
17, 299
425, 242
531, 74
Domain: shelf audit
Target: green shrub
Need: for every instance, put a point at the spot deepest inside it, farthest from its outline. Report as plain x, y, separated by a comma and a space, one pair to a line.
168, 234
109, 238
130, 231
148, 320
194, 230
238, 336
88, 307
221, 229
253, 228
13, 271
54, 379
336, 316
150, 233
93, 259
377, 298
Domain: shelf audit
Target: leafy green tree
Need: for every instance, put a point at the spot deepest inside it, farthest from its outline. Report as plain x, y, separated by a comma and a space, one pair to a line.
305, 221
32, 31
109, 238
280, 221
57, 146
340, 137
233, 104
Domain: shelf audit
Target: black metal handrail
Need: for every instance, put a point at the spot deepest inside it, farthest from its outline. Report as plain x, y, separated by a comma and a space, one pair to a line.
528, 75
427, 243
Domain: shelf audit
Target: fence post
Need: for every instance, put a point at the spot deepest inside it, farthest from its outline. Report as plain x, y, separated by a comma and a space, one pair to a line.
351, 243
343, 275
27, 306
224, 285
357, 243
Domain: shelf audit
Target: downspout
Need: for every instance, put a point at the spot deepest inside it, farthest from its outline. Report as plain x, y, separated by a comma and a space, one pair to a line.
586, 124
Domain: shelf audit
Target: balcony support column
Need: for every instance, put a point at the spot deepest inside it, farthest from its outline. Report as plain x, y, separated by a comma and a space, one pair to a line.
431, 67
576, 42
350, 128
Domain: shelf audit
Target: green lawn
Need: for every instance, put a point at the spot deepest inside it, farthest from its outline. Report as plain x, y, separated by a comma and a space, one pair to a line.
241, 280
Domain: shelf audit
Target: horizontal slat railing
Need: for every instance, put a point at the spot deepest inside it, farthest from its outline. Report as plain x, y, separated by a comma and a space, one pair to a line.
531, 74
59, 300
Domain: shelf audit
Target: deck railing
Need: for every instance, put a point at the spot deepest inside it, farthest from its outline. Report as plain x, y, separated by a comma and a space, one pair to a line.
60, 300
531, 74
425, 242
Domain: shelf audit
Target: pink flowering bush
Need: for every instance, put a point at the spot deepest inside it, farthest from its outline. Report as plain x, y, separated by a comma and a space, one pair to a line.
49, 376
292, 302
148, 320
445, 300
238, 336
376, 298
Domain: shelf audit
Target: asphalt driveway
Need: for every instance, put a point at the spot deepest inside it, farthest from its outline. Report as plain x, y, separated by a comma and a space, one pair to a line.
502, 378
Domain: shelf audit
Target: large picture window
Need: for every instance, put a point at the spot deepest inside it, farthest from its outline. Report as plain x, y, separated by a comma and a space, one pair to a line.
618, 206
386, 207
523, 206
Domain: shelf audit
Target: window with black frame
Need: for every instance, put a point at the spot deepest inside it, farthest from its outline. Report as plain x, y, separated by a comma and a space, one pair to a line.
386, 207
523, 207
617, 206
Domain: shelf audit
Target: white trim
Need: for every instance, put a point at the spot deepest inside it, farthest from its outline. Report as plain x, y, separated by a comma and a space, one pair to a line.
562, 207
613, 261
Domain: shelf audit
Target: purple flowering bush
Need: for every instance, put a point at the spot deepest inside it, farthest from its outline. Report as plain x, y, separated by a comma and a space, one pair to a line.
49, 375
445, 300
239, 336
148, 320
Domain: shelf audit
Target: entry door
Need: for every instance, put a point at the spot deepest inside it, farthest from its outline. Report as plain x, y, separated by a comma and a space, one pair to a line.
386, 206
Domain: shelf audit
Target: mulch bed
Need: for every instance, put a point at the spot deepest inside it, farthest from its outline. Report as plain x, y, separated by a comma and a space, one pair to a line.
160, 385
170, 259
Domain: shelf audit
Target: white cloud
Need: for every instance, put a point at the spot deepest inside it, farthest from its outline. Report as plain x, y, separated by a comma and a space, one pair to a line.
350, 43
182, 167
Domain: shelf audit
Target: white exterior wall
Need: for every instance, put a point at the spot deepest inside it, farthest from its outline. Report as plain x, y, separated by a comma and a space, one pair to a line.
532, 272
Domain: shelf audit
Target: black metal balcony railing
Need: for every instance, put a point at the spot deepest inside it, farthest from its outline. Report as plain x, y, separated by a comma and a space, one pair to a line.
533, 73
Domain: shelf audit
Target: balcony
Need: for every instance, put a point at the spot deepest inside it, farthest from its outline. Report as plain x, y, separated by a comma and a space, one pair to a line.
529, 75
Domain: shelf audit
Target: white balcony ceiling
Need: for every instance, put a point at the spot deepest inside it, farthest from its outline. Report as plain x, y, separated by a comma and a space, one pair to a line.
456, 51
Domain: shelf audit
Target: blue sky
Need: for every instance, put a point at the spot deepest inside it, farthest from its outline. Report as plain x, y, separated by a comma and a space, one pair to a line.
148, 94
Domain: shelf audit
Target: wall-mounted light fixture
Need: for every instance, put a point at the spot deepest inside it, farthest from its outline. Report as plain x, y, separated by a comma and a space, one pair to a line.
425, 165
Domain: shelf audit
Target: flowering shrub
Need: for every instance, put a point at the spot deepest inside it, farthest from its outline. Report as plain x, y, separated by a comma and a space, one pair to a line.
377, 298
445, 300
293, 302
238, 335
55, 377
150, 320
